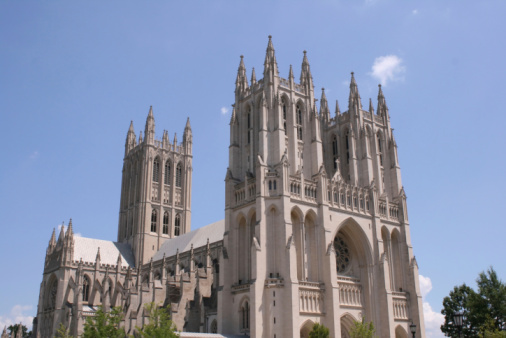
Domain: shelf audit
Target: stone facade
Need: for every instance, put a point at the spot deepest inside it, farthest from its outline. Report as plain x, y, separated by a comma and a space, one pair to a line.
316, 226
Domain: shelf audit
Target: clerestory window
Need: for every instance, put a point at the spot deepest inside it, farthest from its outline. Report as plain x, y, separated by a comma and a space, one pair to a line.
177, 225
166, 176
156, 170
153, 220
166, 223
178, 175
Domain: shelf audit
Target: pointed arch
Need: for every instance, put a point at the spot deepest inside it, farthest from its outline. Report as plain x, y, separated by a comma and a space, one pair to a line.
86, 288
297, 219
166, 175
154, 220
156, 169
311, 246
400, 332
177, 225
244, 310
51, 293
347, 322
397, 266
179, 174
165, 223
306, 328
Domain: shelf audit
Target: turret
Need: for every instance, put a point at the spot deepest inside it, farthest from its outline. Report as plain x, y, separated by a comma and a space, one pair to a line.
382, 104
337, 111
188, 137
241, 82
324, 108
354, 98
253, 77
165, 139
149, 130
130, 139
271, 74
306, 79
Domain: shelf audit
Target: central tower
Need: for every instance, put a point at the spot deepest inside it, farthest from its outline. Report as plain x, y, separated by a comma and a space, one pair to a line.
316, 226
155, 189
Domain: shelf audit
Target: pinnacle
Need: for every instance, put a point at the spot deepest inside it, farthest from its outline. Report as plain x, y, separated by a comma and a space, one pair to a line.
290, 74
131, 129
188, 126
371, 108
150, 114
338, 112
253, 76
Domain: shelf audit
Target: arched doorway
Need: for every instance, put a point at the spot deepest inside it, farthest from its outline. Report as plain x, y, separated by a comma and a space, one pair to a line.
306, 328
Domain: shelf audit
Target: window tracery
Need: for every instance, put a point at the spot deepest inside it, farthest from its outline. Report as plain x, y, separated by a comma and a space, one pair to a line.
343, 255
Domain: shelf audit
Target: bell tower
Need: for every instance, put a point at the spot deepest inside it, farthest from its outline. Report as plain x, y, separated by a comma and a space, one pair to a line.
155, 189
316, 225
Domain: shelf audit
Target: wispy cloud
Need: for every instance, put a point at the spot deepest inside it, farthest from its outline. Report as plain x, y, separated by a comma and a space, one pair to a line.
415, 11
17, 315
34, 155
224, 110
388, 68
433, 319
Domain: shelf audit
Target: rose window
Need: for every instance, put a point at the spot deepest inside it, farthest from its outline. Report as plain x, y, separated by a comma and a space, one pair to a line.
343, 255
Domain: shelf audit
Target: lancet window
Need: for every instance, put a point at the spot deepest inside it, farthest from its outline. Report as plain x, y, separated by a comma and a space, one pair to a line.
86, 288
245, 316
334, 151
380, 152
153, 220
178, 175
177, 225
156, 170
284, 114
166, 176
166, 223
299, 122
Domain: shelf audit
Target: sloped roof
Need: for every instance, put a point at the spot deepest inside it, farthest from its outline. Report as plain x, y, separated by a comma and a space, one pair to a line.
198, 238
86, 248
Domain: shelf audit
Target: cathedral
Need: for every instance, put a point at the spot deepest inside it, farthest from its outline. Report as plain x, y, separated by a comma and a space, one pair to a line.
315, 229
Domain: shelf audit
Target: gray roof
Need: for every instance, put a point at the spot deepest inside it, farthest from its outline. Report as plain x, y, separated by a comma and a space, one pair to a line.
198, 238
86, 248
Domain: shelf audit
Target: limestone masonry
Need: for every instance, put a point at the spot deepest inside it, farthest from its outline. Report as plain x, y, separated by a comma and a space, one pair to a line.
316, 226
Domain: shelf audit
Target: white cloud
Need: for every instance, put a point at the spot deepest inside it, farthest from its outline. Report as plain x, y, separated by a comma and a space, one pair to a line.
17, 316
388, 68
433, 320
415, 11
224, 110
34, 155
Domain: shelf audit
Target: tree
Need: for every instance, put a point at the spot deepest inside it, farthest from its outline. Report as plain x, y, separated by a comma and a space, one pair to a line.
484, 310
319, 331
104, 324
159, 325
362, 329
457, 300
13, 330
63, 332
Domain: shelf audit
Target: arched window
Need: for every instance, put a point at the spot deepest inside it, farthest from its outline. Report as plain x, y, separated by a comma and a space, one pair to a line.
299, 122
86, 288
177, 225
178, 175
153, 221
284, 113
249, 125
214, 326
245, 316
379, 149
166, 223
166, 176
347, 147
334, 151
156, 170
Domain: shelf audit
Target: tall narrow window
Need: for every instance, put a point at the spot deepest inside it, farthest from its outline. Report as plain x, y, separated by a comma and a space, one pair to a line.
334, 151
153, 221
156, 170
245, 316
166, 223
166, 176
178, 175
284, 114
86, 288
380, 152
299, 122
347, 147
249, 126
177, 225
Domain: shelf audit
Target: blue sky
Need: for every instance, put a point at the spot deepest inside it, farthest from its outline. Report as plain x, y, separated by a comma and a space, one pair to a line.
74, 74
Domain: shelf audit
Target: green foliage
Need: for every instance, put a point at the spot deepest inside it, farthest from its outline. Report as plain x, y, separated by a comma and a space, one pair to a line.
63, 332
319, 331
13, 330
484, 310
362, 329
104, 324
159, 325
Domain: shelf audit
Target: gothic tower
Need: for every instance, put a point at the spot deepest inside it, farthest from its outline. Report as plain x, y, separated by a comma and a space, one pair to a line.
155, 189
316, 225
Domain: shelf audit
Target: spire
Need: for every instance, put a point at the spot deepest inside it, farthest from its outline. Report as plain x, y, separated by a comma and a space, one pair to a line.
324, 108
371, 108
62, 232
188, 126
130, 139
354, 94
140, 137
52, 240
149, 130
382, 104
70, 233
305, 75
241, 82
338, 111
253, 76
97, 258
118, 261
270, 64
175, 139
290, 74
